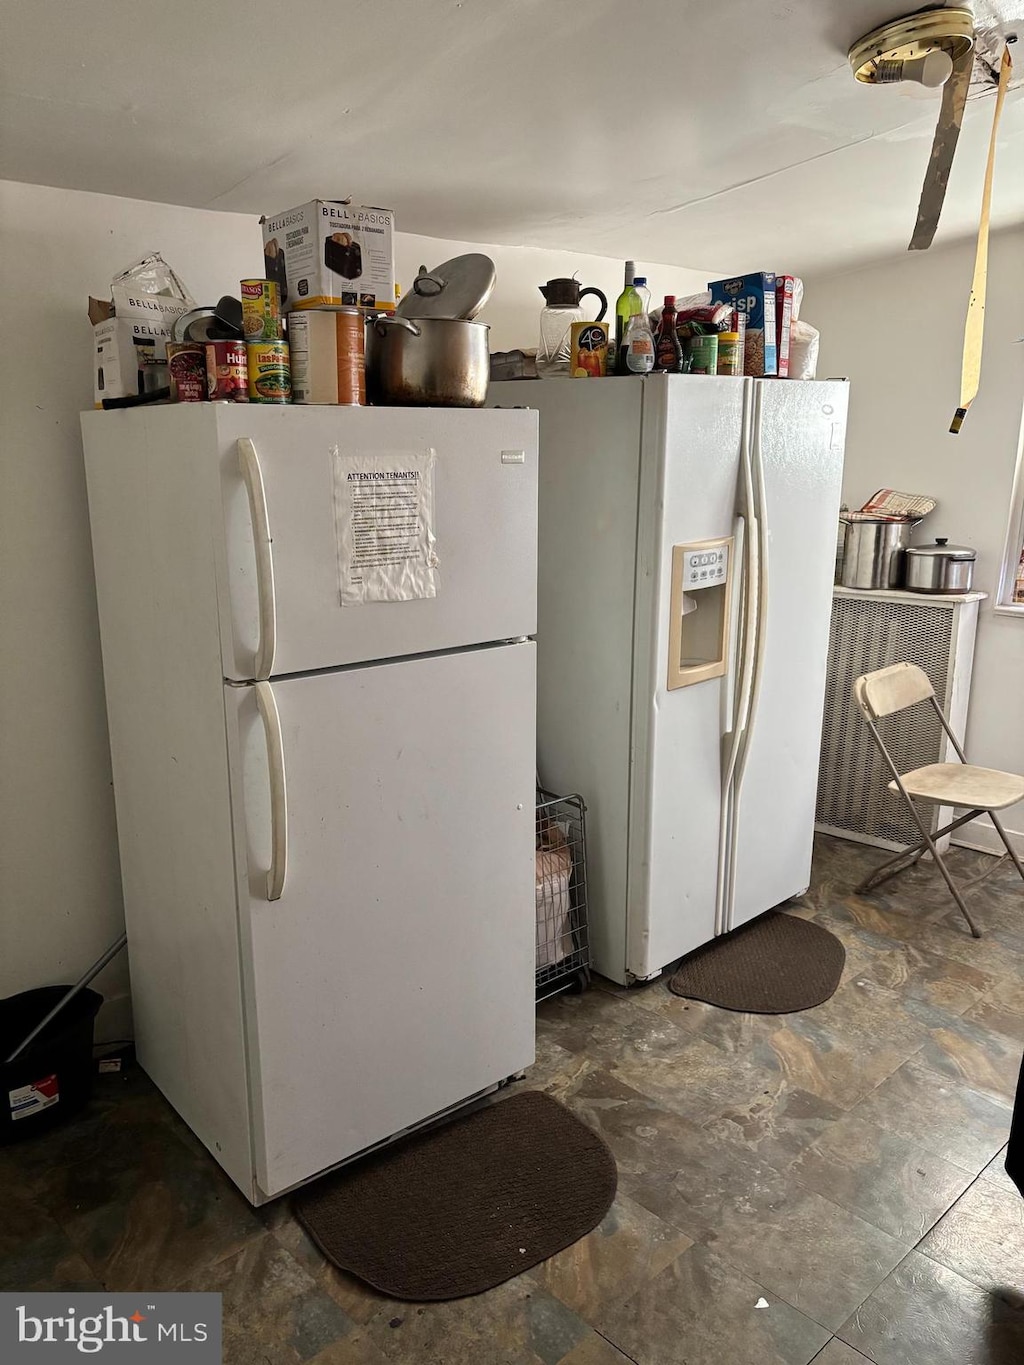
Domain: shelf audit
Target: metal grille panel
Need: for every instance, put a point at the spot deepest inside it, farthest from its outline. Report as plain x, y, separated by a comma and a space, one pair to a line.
869, 633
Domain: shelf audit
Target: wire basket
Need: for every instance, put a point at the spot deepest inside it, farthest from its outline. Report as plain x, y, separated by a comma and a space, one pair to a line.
563, 943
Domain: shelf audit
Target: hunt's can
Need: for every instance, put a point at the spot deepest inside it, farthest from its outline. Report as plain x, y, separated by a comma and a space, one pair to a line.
327, 355
261, 310
588, 350
270, 379
186, 371
226, 377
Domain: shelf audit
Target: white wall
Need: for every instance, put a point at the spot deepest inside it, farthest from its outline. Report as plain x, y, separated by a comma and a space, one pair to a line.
896, 329
61, 903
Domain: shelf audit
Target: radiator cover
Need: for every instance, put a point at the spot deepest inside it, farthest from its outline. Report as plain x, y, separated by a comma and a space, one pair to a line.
871, 630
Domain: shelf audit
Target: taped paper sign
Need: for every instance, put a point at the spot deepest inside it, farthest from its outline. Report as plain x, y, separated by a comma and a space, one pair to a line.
384, 510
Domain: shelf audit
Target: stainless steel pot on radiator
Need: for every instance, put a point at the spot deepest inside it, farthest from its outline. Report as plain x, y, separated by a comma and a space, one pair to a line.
940, 567
874, 551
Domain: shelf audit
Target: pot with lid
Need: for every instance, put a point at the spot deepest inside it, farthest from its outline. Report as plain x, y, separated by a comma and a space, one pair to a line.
939, 567
431, 352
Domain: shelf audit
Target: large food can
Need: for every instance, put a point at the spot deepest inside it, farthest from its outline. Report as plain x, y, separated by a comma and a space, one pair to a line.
270, 378
261, 310
702, 352
186, 371
226, 376
328, 356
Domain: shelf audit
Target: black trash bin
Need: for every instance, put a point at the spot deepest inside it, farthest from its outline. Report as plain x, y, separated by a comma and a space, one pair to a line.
53, 1077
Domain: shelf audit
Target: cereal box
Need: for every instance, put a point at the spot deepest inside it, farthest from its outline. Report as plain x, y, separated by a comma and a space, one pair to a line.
755, 296
784, 286
327, 253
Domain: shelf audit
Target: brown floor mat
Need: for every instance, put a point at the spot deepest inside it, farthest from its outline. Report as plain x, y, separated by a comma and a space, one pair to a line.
778, 964
464, 1207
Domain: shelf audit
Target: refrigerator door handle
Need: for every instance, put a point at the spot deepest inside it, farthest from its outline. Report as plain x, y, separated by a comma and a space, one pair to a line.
758, 607
747, 520
252, 476
267, 705
762, 563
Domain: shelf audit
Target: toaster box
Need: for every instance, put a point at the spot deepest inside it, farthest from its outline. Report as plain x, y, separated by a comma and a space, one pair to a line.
129, 358
753, 295
328, 252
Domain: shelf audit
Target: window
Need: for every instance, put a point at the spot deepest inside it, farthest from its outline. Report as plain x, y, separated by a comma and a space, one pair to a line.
1011, 581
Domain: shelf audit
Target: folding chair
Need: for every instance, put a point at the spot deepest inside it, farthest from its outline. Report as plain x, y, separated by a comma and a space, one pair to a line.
981, 791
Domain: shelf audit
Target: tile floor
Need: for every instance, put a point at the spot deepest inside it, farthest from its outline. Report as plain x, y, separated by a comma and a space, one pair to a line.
843, 1166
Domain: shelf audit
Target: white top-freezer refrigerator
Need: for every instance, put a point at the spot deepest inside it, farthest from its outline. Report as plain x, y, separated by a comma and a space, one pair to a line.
320, 686
687, 549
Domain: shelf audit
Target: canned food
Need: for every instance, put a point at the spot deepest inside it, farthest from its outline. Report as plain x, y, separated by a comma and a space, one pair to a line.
186, 371
703, 354
261, 310
328, 356
588, 350
270, 378
226, 377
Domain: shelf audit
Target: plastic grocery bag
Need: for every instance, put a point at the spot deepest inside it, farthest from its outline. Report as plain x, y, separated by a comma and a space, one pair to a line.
803, 351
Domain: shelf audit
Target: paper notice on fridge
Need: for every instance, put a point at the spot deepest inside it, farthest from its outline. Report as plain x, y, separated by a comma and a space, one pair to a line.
384, 510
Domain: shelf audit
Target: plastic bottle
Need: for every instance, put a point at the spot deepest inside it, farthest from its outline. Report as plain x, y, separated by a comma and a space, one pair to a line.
638, 344
668, 353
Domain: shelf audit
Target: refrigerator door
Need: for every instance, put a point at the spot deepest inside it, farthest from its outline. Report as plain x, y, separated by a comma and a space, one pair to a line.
391, 808
688, 488
803, 428
279, 564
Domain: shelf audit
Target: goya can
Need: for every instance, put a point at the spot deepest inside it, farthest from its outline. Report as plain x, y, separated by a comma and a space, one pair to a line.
186, 371
270, 379
261, 310
226, 377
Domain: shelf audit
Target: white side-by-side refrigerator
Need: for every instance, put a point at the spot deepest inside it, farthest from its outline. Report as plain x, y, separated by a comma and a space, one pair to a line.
687, 551
317, 631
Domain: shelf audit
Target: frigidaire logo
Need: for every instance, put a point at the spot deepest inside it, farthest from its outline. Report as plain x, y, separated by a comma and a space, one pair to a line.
127, 1327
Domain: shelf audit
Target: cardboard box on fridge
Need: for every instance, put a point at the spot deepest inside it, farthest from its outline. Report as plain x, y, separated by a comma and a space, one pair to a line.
128, 359
326, 252
130, 336
784, 300
753, 295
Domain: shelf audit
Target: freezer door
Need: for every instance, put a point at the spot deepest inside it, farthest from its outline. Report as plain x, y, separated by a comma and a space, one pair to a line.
279, 563
394, 975
688, 486
802, 437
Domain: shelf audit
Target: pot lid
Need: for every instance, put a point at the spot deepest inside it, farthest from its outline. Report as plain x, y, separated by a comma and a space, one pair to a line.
458, 288
943, 549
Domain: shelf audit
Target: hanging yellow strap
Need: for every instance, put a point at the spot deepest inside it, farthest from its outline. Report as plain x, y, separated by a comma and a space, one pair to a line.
974, 329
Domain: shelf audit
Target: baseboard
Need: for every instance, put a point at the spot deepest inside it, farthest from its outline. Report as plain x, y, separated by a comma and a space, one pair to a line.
981, 835
114, 1021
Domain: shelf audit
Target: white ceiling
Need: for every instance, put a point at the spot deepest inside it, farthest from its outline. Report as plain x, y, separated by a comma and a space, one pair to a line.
716, 135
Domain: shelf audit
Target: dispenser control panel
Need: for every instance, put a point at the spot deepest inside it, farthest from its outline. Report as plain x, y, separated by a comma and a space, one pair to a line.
705, 566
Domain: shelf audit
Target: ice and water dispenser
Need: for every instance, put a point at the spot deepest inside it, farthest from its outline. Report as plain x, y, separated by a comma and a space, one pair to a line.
699, 630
